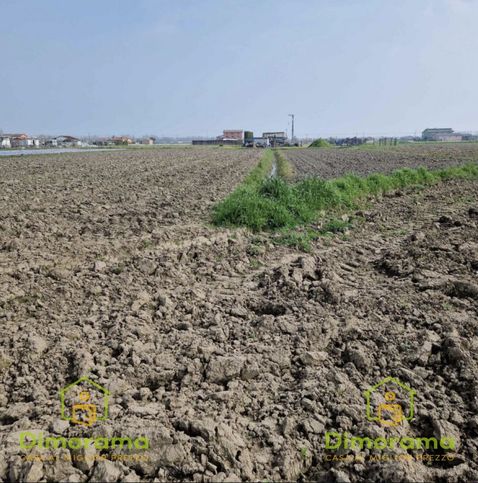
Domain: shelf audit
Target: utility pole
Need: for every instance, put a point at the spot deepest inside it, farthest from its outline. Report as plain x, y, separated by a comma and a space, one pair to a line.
292, 116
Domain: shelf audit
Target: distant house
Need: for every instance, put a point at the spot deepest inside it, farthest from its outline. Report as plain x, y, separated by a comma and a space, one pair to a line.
20, 140
147, 141
67, 141
441, 134
5, 141
121, 140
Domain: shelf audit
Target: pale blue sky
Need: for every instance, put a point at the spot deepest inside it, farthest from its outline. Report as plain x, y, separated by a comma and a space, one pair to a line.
195, 67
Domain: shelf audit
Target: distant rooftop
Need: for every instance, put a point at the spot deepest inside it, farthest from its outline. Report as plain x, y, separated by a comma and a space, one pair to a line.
442, 130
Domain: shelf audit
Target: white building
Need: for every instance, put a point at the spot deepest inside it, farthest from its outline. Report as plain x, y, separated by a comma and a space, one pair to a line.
68, 141
5, 142
51, 142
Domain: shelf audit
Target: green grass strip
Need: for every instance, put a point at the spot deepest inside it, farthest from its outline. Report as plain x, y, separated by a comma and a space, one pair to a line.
285, 170
260, 172
262, 203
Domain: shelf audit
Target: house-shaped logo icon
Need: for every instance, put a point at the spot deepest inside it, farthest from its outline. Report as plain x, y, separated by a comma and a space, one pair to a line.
383, 397
84, 402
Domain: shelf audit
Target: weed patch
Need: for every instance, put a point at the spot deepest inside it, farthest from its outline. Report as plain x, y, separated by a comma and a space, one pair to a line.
262, 203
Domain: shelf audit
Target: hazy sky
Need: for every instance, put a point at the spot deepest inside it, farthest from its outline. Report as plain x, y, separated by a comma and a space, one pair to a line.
196, 67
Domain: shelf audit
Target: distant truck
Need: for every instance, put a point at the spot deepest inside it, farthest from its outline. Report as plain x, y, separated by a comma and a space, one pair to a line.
261, 142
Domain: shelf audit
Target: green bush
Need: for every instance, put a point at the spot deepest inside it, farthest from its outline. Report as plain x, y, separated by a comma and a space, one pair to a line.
320, 143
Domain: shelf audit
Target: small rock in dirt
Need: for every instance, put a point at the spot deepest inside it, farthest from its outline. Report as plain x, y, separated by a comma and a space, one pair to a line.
224, 369
84, 457
33, 472
142, 299
105, 471
163, 299
358, 355
309, 267
239, 311
417, 236
99, 266
473, 212
339, 476
445, 429
59, 426
172, 454
148, 267
206, 428
16, 411
131, 478
311, 425
250, 370
309, 405
37, 344
312, 358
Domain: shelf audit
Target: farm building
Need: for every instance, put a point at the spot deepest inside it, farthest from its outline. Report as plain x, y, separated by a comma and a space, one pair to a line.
277, 138
441, 134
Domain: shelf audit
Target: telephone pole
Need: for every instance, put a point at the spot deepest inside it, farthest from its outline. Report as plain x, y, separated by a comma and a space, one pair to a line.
292, 116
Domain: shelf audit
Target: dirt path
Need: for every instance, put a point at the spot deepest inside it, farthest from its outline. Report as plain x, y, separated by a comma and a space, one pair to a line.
233, 356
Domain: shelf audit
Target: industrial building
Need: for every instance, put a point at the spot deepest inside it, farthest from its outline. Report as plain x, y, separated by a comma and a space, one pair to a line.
239, 137
441, 134
277, 138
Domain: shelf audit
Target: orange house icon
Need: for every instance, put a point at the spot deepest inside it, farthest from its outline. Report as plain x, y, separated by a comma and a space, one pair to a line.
82, 410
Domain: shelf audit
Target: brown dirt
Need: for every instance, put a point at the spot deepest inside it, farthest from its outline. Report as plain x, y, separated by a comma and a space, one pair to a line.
233, 356
335, 162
